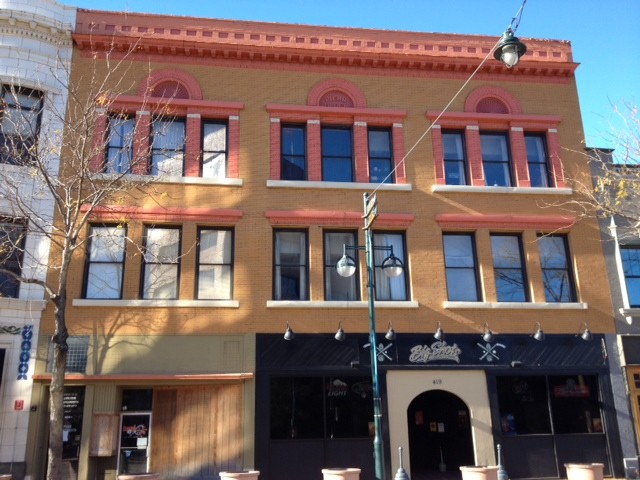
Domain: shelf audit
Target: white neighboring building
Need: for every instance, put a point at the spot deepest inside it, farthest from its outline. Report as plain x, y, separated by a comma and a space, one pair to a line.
35, 54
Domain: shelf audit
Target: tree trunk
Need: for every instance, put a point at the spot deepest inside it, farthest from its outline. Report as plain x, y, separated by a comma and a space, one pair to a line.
56, 396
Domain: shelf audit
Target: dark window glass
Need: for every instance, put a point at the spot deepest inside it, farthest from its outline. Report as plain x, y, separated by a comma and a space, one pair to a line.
495, 160
21, 109
290, 276
523, 405
167, 147
388, 288
556, 272
297, 407
137, 399
380, 156
537, 160
214, 149
320, 407
12, 241
460, 265
105, 262
337, 154
454, 158
294, 157
120, 144
508, 268
631, 265
215, 264
337, 287
574, 404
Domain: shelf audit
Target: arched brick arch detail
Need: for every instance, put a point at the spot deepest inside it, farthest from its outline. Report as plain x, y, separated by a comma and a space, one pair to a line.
186, 84
341, 87
492, 100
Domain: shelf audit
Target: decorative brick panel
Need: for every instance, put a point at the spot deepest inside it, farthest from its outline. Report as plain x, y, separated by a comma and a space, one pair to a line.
519, 157
233, 160
398, 153
438, 154
192, 148
553, 144
474, 154
141, 143
314, 151
96, 163
361, 151
275, 149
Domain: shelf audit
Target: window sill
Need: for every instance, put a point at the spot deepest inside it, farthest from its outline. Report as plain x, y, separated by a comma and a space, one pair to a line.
630, 312
81, 302
515, 305
339, 304
339, 185
512, 190
230, 182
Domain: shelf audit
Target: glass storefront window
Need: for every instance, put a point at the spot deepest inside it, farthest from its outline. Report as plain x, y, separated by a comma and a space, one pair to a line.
556, 404
574, 404
523, 405
320, 407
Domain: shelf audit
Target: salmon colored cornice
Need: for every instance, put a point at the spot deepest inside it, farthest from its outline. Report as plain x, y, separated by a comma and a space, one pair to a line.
335, 218
462, 119
131, 104
80, 379
198, 39
505, 222
118, 213
380, 114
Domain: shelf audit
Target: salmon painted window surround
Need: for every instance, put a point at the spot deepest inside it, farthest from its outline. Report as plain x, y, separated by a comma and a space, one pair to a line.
211, 128
296, 134
493, 122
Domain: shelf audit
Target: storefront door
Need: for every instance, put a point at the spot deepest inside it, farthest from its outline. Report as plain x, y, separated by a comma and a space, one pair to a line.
439, 434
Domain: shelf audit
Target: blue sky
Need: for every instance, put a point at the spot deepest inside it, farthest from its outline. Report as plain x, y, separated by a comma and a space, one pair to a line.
604, 34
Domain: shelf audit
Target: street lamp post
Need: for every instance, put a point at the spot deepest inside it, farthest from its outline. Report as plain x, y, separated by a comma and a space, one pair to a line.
392, 267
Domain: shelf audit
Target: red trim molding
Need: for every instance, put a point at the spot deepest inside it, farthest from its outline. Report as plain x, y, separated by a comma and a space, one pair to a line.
505, 222
335, 218
117, 213
80, 379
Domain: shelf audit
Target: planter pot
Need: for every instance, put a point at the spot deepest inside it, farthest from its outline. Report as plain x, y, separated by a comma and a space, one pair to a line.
5, 476
479, 472
139, 476
341, 473
584, 471
244, 475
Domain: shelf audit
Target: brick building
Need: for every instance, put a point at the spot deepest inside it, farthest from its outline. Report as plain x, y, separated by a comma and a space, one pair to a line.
270, 135
35, 53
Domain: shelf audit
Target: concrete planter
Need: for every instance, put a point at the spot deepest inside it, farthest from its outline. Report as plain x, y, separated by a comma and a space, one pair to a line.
341, 473
139, 476
584, 471
479, 472
245, 475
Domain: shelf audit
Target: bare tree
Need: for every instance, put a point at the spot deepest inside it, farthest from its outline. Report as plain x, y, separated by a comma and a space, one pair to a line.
614, 189
67, 169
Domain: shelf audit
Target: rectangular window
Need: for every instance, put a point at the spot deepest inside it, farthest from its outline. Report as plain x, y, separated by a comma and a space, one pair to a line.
320, 407
167, 147
21, 109
380, 156
337, 154
388, 288
214, 149
508, 268
537, 160
161, 266
215, 264
631, 266
460, 266
76, 355
335, 286
12, 241
105, 261
524, 405
495, 159
556, 271
455, 164
120, 144
294, 156
290, 275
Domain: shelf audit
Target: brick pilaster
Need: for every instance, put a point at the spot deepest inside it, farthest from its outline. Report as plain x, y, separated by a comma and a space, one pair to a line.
361, 152
474, 155
519, 157
141, 143
192, 150
314, 151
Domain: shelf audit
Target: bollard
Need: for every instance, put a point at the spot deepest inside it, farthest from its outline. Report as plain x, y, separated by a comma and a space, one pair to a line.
401, 474
502, 473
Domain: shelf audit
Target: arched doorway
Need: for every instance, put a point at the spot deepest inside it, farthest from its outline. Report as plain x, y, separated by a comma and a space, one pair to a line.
439, 434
